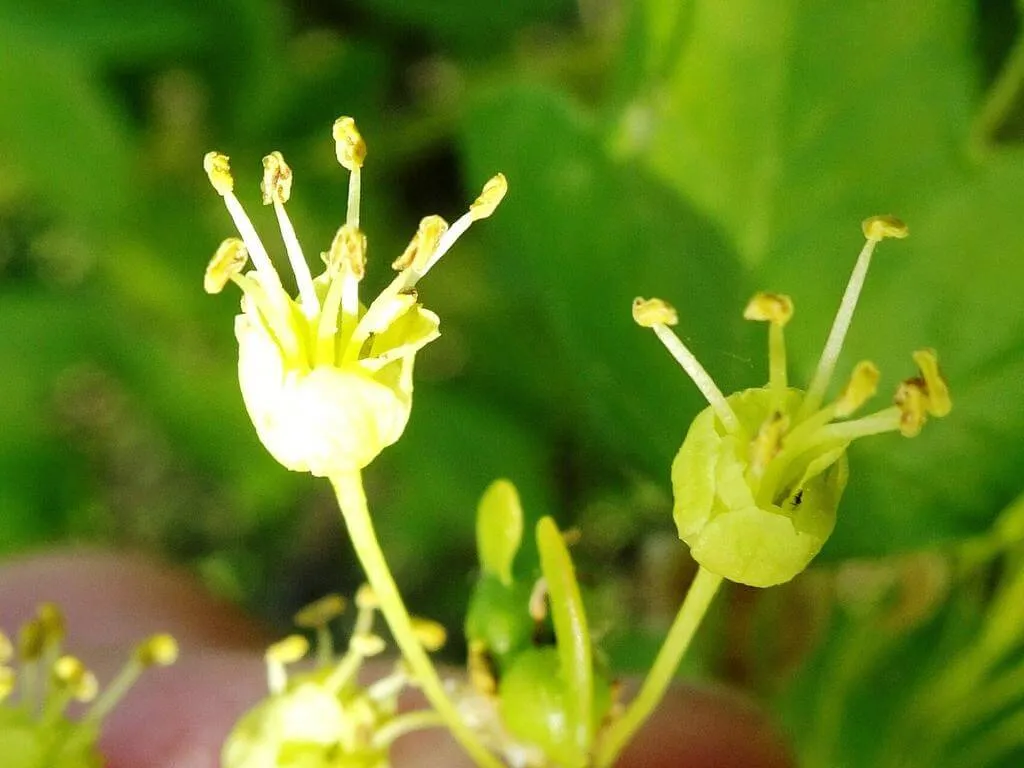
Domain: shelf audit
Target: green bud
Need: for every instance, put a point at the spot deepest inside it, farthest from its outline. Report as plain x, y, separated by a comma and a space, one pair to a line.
499, 529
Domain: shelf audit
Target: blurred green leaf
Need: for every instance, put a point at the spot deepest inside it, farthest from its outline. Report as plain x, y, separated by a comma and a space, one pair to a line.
585, 235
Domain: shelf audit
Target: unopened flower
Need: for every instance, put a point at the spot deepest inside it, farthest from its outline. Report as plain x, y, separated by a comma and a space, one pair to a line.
326, 380
38, 682
760, 473
324, 717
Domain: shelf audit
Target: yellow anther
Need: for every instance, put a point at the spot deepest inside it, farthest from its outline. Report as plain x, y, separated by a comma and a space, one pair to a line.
430, 634
320, 612
71, 674
479, 668
939, 403
881, 227
348, 252
158, 650
768, 441
492, 194
769, 307
862, 387
218, 169
7, 682
6, 649
31, 640
348, 144
651, 312
367, 645
277, 179
423, 244
229, 260
366, 598
912, 400
287, 651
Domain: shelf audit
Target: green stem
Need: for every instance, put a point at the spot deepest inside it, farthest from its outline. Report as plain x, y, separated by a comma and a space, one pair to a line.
352, 500
690, 615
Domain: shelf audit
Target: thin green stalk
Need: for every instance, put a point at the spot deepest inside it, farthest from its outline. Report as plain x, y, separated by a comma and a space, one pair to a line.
352, 500
683, 628
999, 100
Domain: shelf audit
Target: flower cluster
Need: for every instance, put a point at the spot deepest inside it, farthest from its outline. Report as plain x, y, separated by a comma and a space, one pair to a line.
38, 682
324, 717
326, 380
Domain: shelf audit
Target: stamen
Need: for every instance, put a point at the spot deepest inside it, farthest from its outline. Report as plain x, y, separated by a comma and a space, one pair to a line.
776, 309
351, 152
277, 188
367, 603
7, 683
490, 196
219, 172
362, 645
651, 313
229, 260
317, 616
768, 442
403, 724
538, 604
939, 402
287, 651
158, 650
875, 230
6, 649
71, 676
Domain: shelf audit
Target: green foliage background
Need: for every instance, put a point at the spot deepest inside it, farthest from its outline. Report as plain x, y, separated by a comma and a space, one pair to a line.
692, 150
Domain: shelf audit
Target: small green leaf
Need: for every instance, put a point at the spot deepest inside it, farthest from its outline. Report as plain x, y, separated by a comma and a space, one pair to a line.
499, 529
571, 634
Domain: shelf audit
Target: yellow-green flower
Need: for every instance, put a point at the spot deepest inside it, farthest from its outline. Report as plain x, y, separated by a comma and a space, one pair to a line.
760, 473
35, 693
326, 380
324, 718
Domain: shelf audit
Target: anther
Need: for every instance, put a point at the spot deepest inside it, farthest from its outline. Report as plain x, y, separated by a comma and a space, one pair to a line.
774, 308
158, 650
490, 196
31, 640
320, 612
277, 179
862, 387
229, 260
423, 244
432, 636
287, 651
218, 170
366, 598
71, 674
349, 144
347, 252
880, 227
650, 312
7, 682
367, 645
912, 400
768, 441
938, 402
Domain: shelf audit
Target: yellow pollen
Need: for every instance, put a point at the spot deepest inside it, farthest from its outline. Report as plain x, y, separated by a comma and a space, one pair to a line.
650, 312
768, 441
490, 196
229, 260
159, 650
320, 612
277, 179
881, 227
769, 307
430, 634
71, 674
349, 144
218, 170
862, 386
939, 403
423, 244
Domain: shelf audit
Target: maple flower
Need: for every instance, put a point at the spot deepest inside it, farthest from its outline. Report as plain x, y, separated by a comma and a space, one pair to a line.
760, 473
324, 717
38, 682
327, 380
